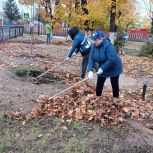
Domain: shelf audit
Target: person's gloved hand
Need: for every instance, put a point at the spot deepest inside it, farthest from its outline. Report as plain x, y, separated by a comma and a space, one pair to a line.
90, 75
74, 53
67, 58
100, 71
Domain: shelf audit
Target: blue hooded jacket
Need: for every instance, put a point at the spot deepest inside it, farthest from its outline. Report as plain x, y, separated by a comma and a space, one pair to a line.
107, 58
80, 43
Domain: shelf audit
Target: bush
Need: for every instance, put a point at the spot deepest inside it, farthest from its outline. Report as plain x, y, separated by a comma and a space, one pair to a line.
147, 50
119, 42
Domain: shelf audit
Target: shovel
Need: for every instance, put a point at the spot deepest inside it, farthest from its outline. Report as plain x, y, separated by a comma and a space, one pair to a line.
36, 80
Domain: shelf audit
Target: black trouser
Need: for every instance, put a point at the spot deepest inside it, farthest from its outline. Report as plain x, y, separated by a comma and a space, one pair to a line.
85, 64
114, 83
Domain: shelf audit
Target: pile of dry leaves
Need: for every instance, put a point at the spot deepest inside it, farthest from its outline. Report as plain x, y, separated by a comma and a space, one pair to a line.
80, 103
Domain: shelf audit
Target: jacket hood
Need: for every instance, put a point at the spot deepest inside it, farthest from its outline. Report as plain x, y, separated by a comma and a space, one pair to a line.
73, 32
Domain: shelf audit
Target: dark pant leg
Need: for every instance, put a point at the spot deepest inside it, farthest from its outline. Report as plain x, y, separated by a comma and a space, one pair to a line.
48, 37
100, 85
115, 86
84, 65
96, 66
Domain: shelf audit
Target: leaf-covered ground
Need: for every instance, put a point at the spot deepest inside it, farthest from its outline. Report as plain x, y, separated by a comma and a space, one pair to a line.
75, 121
138, 66
80, 103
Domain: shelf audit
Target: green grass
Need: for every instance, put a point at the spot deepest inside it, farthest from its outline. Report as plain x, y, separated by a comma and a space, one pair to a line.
139, 44
133, 48
26, 71
74, 145
78, 126
48, 136
132, 52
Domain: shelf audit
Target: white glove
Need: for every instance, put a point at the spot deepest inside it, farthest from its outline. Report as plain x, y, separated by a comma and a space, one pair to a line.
68, 37
74, 53
90, 75
67, 58
100, 71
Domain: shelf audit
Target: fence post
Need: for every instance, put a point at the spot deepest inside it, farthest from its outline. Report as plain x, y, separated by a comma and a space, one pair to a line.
2, 34
15, 32
9, 32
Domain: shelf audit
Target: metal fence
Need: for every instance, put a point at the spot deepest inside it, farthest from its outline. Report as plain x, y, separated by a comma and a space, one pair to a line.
9, 32
41, 30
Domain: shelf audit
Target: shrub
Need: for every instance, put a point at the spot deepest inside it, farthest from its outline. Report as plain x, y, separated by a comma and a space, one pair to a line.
147, 50
119, 42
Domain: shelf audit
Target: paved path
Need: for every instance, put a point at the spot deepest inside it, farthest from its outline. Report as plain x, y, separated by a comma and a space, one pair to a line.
128, 83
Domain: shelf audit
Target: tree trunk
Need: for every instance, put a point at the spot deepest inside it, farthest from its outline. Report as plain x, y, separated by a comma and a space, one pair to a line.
112, 36
152, 25
83, 5
112, 16
77, 5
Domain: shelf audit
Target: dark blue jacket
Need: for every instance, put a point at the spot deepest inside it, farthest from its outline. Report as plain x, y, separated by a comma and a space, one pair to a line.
81, 44
107, 59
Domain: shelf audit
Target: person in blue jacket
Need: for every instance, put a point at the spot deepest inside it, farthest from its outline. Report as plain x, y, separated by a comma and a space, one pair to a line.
82, 45
110, 65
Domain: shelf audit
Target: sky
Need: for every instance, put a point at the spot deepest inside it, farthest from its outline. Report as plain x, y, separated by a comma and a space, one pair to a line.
142, 6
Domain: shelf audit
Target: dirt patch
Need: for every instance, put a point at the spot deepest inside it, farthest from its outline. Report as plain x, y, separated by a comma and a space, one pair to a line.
140, 135
31, 74
16, 92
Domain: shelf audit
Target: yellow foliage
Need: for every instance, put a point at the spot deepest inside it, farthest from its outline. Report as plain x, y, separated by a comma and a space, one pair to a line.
146, 23
128, 13
99, 12
57, 25
26, 2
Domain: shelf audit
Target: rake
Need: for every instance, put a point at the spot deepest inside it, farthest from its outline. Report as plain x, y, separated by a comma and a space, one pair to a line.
70, 87
36, 80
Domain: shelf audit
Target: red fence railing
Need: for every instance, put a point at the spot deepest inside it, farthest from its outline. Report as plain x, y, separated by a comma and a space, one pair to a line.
140, 35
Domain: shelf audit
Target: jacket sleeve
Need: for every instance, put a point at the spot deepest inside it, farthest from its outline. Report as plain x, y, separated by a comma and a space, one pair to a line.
91, 59
111, 55
73, 48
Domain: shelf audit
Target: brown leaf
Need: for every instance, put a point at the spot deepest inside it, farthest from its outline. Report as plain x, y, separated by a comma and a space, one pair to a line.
125, 110
120, 119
